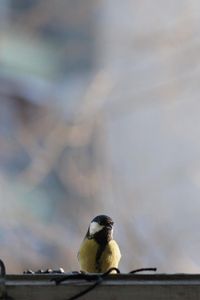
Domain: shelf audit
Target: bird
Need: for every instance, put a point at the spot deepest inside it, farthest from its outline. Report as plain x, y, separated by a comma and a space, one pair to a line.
99, 251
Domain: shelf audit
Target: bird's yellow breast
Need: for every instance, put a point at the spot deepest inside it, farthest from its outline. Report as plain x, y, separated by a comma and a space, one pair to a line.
87, 256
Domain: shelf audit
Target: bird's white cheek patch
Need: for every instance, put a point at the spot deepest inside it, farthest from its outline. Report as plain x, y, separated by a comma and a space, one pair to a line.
95, 227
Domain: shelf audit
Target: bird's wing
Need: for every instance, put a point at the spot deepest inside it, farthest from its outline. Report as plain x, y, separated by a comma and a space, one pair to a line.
87, 255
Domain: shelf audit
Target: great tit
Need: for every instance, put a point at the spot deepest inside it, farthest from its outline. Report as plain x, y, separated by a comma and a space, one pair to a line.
98, 251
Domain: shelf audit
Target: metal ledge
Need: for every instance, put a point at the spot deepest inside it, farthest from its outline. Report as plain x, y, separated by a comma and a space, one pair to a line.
117, 286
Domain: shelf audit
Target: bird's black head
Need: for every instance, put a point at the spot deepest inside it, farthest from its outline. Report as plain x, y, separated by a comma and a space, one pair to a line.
101, 229
104, 220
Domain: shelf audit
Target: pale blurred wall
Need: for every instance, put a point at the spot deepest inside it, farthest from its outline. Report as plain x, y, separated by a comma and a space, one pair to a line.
151, 53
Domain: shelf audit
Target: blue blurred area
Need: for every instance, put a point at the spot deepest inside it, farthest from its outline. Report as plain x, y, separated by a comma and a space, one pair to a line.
46, 47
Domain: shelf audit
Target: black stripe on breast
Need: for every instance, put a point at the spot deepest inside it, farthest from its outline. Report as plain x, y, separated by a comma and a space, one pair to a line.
98, 257
102, 238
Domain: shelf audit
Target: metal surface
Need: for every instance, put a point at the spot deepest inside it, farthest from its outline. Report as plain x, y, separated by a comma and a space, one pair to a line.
118, 286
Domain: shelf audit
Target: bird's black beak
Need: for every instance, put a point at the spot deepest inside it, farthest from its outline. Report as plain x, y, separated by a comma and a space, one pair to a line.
109, 226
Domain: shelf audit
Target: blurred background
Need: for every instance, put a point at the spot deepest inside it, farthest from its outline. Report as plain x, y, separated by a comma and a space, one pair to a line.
100, 113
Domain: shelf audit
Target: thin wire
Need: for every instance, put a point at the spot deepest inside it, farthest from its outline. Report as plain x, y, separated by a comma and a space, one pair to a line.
98, 277
86, 290
4, 294
3, 268
88, 277
142, 270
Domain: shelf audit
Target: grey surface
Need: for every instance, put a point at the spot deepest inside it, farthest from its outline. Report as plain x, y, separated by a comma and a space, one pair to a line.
140, 287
